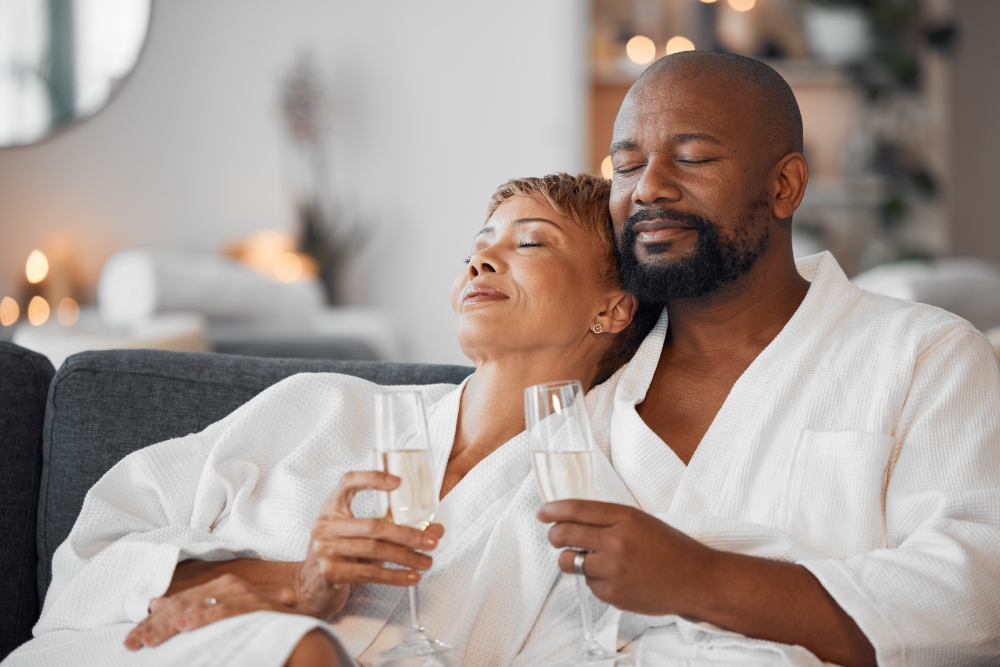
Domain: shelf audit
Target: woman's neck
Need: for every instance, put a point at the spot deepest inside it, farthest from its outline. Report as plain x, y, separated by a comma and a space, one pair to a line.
492, 404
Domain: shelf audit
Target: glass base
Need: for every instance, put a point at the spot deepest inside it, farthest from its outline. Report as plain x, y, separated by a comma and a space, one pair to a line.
416, 646
594, 654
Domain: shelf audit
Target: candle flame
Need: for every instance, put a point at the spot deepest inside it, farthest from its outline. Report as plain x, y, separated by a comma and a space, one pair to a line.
37, 267
9, 311
68, 312
38, 311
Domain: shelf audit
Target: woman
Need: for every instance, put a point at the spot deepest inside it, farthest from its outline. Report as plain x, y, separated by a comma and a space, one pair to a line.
237, 504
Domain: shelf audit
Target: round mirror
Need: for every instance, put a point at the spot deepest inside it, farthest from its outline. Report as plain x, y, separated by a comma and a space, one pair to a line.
61, 60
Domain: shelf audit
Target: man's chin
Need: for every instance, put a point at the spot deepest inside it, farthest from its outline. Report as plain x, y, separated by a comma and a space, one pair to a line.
660, 255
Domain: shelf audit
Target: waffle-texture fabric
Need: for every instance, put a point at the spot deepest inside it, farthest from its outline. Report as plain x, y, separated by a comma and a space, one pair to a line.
863, 443
251, 486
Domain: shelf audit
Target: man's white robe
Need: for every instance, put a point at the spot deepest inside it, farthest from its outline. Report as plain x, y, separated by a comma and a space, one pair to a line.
251, 485
864, 444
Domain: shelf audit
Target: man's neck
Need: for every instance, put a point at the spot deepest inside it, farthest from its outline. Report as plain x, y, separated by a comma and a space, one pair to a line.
743, 317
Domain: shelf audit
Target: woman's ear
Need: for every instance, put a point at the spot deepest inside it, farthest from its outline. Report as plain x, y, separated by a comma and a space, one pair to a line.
619, 312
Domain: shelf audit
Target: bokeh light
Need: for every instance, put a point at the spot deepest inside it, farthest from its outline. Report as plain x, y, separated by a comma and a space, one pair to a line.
287, 267
678, 44
68, 312
640, 49
38, 311
9, 311
742, 5
607, 169
37, 267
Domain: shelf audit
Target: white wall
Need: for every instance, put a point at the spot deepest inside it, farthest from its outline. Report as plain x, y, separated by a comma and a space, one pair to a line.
436, 103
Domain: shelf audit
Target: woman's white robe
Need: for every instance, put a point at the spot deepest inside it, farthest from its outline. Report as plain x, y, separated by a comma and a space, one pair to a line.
864, 444
251, 485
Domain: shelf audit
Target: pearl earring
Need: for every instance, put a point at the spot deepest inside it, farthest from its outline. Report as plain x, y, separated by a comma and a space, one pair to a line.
597, 328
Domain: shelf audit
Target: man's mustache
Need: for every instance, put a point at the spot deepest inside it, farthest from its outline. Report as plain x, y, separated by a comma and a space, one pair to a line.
659, 213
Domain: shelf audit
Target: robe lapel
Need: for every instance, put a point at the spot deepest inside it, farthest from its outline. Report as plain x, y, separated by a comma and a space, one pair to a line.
648, 467
728, 451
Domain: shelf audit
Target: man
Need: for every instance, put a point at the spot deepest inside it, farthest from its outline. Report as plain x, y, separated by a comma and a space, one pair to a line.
817, 466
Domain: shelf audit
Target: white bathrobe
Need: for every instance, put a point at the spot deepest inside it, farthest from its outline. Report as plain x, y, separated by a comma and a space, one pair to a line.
864, 444
251, 485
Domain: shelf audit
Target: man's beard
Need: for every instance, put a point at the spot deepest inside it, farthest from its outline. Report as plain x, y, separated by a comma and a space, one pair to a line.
714, 263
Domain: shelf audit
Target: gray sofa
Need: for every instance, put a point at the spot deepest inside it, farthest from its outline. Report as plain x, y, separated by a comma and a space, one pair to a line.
59, 434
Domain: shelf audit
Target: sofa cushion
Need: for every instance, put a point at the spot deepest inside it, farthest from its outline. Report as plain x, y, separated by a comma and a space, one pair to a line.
105, 405
24, 384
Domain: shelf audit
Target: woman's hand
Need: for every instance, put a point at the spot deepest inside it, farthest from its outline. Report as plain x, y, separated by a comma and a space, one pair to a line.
345, 550
195, 607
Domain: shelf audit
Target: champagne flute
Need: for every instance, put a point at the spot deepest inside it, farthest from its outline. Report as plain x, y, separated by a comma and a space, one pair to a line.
401, 449
562, 449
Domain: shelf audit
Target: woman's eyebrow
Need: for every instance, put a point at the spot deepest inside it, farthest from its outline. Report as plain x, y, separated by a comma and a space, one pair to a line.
519, 221
523, 221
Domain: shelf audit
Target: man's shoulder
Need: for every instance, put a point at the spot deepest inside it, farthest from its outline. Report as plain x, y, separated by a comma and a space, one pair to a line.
897, 322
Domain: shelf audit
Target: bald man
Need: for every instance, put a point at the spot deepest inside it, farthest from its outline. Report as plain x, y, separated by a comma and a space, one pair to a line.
816, 468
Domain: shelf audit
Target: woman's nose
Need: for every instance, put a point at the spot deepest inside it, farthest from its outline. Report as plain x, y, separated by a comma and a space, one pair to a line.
656, 185
479, 264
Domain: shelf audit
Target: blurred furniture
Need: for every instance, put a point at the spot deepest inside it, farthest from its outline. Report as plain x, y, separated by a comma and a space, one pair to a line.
24, 385
345, 333
102, 406
968, 287
994, 336
183, 332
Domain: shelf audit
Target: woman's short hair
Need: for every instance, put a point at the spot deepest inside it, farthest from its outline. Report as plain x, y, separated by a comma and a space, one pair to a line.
585, 200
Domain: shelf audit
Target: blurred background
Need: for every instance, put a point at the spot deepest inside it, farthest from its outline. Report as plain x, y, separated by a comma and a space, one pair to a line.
303, 178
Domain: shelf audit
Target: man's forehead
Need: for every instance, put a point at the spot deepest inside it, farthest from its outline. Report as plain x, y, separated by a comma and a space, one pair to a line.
677, 106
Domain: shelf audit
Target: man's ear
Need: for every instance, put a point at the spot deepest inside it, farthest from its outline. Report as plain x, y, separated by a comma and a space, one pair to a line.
789, 182
618, 313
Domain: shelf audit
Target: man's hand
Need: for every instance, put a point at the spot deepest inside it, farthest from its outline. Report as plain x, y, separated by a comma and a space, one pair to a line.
191, 609
637, 563
345, 550
643, 565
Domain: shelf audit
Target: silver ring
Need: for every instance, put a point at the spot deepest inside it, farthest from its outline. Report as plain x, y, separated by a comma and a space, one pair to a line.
209, 602
578, 563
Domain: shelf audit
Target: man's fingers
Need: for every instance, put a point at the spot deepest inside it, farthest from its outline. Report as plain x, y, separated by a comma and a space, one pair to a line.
592, 564
373, 550
338, 503
589, 512
575, 536
379, 529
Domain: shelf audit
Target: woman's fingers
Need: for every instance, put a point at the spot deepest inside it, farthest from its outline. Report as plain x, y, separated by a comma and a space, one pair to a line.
372, 550
367, 573
339, 502
379, 529
190, 609
159, 626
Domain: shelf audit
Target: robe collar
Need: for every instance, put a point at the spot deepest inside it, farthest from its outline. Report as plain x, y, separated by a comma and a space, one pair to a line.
654, 474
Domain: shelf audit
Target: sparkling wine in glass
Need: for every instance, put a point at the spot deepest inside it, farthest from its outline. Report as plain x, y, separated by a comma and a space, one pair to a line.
401, 449
562, 450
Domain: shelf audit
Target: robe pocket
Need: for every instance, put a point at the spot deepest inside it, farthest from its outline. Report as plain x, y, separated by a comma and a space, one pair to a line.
834, 493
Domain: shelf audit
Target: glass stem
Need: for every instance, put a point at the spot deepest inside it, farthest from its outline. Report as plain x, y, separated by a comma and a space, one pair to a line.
588, 626
415, 627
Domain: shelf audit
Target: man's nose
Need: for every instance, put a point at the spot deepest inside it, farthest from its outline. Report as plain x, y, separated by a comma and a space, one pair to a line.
656, 184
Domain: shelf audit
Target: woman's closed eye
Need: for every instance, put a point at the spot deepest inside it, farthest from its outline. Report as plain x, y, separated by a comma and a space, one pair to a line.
528, 244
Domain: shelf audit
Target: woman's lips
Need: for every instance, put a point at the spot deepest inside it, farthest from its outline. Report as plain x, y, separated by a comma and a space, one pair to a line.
481, 294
